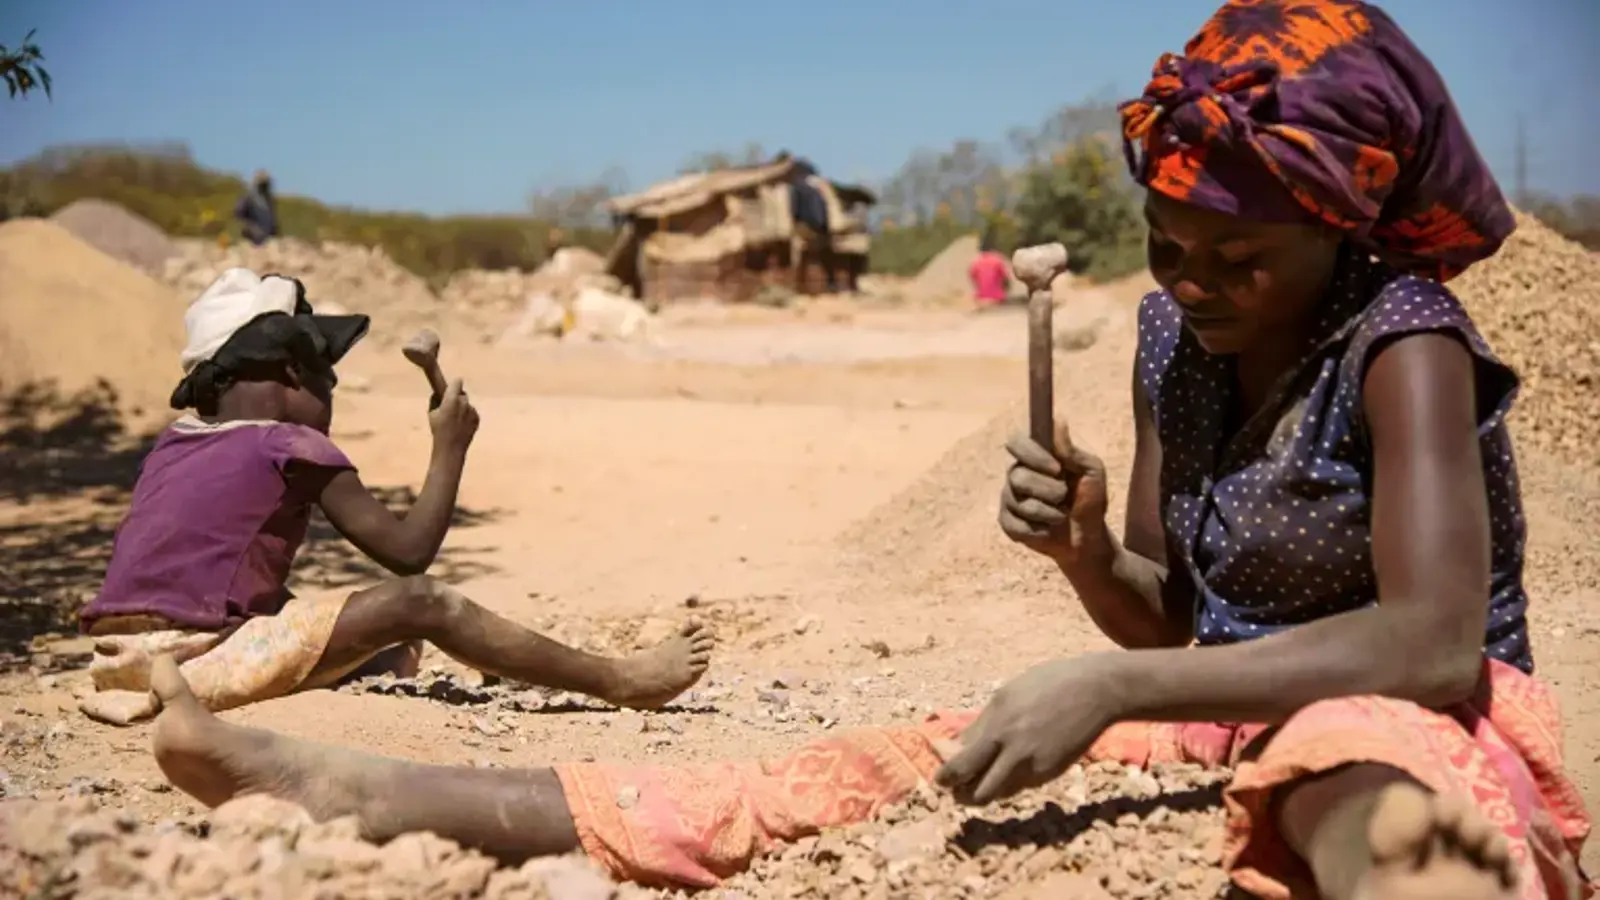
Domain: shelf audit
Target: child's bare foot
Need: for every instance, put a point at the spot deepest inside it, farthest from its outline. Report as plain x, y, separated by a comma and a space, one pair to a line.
511, 814
1428, 846
215, 761
651, 678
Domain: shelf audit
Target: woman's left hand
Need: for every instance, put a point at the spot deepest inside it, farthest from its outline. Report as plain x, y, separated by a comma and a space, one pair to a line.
1035, 727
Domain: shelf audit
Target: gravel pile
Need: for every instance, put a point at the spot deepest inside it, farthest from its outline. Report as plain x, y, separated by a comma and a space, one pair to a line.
118, 233
1538, 303
257, 847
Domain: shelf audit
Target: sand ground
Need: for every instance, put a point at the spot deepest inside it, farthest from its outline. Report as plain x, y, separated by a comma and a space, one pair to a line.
830, 512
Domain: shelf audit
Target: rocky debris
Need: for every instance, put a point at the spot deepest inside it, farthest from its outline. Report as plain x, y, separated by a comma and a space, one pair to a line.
118, 233
543, 316
568, 296
589, 314
349, 276
1102, 830
463, 688
568, 270
600, 315
1538, 303
257, 847
495, 714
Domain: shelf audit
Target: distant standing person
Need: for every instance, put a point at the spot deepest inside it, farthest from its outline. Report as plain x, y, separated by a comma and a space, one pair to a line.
257, 211
990, 276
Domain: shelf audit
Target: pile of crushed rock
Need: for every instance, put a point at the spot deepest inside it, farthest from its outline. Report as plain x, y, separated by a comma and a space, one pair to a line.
118, 233
567, 270
337, 277
257, 847
1538, 304
1101, 831
568, 296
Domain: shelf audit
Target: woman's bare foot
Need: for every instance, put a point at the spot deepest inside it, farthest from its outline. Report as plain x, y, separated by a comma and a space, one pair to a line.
651, 678
215, 761
1428, 846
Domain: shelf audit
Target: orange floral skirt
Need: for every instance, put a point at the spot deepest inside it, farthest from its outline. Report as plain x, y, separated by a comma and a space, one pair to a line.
264, 658
691, 826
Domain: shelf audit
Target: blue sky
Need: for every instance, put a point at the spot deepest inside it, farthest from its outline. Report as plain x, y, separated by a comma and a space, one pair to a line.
446, 108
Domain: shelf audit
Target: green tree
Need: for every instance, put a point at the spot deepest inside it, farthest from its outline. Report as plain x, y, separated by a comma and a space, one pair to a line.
21, 70
1082, 197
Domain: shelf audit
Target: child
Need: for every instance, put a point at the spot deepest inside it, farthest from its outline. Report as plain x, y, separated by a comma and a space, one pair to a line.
990, 276
200, 563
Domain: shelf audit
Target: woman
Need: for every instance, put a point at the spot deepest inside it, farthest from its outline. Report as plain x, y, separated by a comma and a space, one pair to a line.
1323, 499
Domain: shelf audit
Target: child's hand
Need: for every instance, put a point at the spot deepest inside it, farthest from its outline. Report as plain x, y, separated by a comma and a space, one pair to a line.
454, 421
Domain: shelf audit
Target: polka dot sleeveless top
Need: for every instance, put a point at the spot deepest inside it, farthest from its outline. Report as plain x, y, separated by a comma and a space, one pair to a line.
1271, 525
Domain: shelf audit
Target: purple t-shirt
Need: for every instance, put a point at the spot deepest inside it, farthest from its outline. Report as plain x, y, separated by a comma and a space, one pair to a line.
215, 523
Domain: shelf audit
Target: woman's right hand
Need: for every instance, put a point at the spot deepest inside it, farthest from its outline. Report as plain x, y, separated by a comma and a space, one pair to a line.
454, 421
1055, 503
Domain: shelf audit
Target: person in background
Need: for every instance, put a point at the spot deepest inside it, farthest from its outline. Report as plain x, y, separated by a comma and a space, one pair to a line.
257, 210
990, 275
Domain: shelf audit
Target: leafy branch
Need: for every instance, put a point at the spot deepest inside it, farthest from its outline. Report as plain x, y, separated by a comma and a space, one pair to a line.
21, 69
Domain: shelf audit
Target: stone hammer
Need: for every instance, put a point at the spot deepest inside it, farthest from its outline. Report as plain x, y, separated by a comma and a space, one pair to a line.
423, 351
1037, 267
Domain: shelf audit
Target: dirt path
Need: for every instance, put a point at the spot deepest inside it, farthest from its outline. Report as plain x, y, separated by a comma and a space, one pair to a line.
608, 496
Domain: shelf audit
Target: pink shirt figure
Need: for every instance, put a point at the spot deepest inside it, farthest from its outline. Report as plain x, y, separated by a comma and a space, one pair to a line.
989, 275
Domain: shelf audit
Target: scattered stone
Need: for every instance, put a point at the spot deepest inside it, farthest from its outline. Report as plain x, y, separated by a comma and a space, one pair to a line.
1081, 836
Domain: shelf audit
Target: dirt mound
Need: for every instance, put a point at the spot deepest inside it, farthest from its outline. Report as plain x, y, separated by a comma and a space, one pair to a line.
257, 847
567, 272
356, 278
945, 276
940, 531
72, 317
913, 524
117, 233
1538, 303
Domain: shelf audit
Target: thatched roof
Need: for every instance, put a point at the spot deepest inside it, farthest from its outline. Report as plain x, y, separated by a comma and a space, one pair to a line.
695, 190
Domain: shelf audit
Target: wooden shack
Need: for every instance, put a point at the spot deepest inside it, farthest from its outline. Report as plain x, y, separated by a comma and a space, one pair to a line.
728, 235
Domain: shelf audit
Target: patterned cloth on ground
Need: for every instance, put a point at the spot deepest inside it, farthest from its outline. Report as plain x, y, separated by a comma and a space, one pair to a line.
264, 658
692, 826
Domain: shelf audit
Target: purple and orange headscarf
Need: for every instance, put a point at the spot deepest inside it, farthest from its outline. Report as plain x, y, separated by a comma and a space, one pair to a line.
1283, 110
